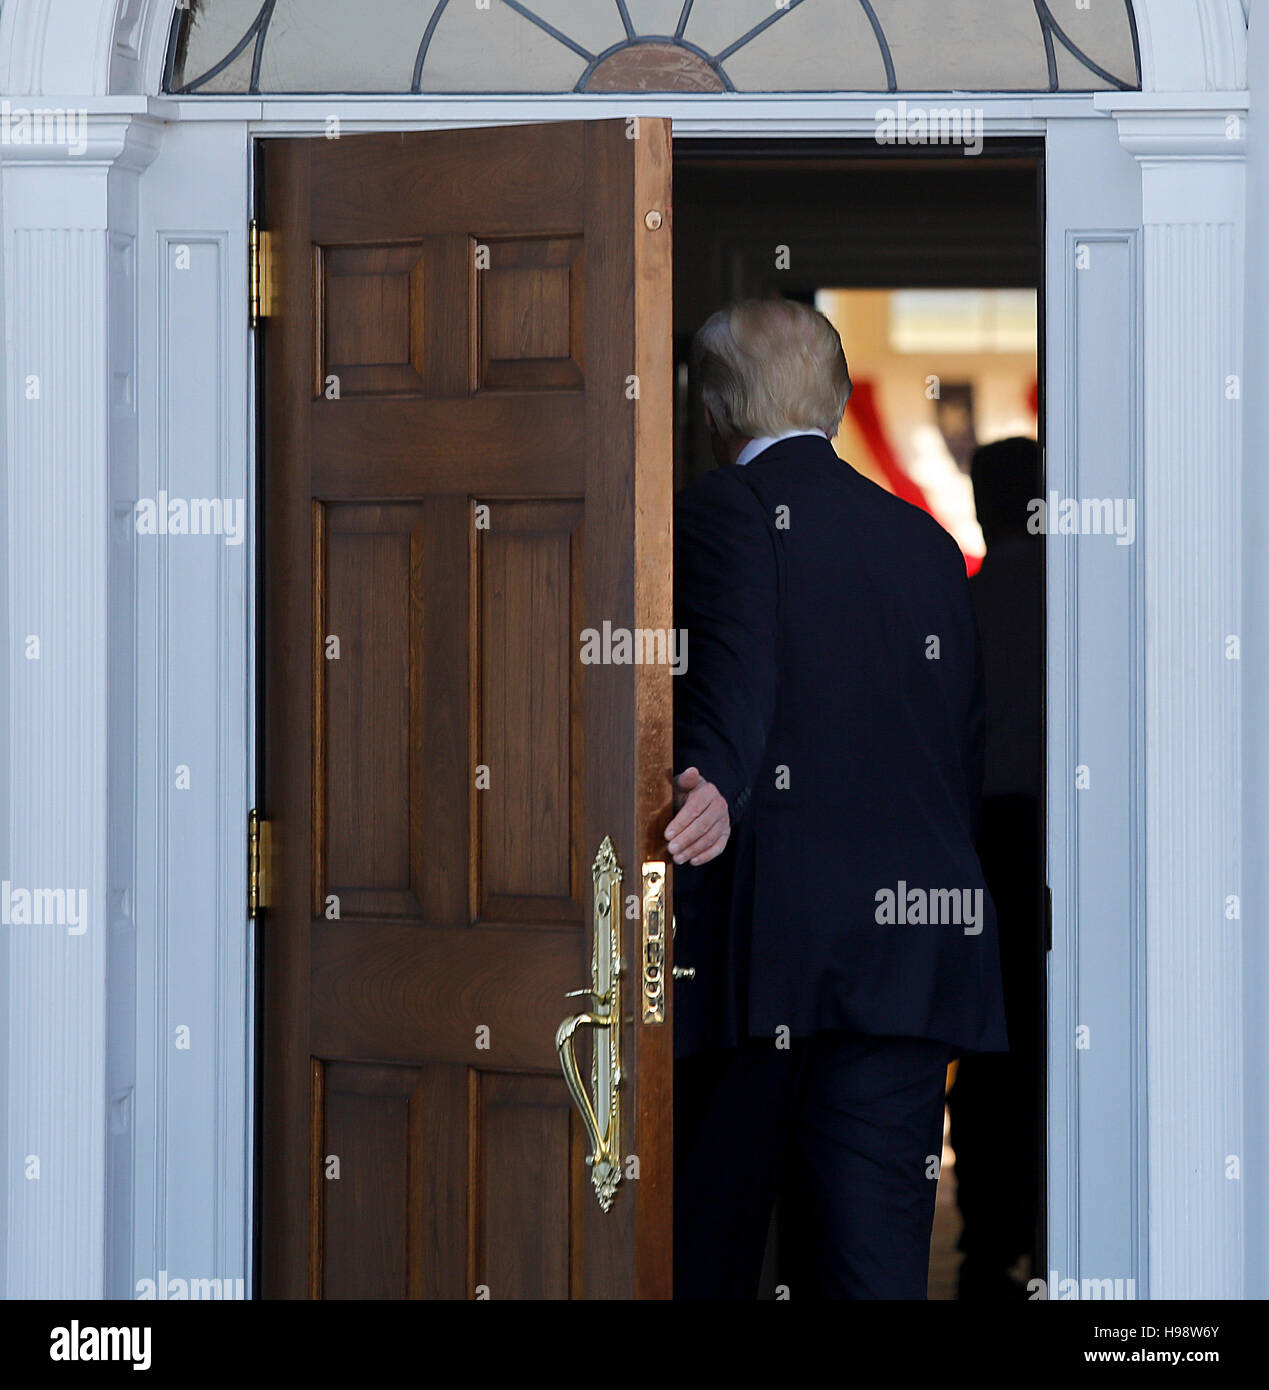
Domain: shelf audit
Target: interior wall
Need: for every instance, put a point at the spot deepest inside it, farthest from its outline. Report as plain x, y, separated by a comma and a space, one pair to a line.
769, 220
904, 388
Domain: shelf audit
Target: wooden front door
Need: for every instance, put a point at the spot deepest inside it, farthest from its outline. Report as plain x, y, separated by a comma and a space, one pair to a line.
467, 464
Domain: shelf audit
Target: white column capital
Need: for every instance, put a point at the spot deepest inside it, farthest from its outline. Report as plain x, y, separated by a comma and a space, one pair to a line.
1191, 126
1192, 156
65, 132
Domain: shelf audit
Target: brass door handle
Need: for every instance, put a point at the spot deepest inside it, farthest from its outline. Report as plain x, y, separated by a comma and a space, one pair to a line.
605, 1169
600, 1106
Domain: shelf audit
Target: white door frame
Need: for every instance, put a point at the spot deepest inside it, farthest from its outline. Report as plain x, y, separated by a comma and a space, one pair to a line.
124, 296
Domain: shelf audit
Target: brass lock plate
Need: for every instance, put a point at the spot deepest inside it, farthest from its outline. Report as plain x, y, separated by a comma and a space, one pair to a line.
654, 941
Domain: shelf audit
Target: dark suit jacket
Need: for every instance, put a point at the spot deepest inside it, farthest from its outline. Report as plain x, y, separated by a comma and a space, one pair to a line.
850, 758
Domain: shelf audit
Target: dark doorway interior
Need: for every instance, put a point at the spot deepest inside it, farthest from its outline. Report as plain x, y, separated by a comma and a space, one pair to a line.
797, 218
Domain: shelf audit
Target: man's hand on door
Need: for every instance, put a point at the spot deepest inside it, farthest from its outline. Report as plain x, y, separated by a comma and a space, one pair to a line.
702, 827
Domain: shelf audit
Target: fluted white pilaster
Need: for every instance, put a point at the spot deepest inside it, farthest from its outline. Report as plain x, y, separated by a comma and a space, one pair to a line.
55, 297
1192, 199
69, 411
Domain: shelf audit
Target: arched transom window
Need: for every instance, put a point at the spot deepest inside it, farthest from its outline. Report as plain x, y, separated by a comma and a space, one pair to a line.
246, 46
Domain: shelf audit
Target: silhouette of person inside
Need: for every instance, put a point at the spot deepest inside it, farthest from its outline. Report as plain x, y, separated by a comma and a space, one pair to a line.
995, 1101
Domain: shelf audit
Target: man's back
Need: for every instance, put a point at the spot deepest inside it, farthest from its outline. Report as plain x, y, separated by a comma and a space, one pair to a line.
833, 693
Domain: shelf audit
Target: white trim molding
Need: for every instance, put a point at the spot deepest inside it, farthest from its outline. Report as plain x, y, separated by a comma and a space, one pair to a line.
1191, 45
1096, 1094
193, 709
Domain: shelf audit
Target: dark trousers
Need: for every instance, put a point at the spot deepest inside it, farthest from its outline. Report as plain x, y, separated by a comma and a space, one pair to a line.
850, 1127
995, 1105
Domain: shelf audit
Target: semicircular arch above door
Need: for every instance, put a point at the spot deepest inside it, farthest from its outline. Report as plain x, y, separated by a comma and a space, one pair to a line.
236, 47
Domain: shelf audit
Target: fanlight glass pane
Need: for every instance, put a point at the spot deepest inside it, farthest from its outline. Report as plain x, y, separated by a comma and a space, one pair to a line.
468, 45
340, 48
974, 45
247, 46
205, 38
654, 16
803, 54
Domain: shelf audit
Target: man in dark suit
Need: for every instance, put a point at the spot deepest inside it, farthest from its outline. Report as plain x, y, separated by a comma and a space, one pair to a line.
829, 736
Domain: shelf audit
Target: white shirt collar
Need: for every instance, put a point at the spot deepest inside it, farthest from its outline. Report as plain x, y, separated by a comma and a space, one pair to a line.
756, 446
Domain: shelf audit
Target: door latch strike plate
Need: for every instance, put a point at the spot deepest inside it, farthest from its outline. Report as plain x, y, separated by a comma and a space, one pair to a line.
654, 941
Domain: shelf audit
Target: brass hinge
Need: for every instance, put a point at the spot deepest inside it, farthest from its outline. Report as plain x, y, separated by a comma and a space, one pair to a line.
259, 863
259, 274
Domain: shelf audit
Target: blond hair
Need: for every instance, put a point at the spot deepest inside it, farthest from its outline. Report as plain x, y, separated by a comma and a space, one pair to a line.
771, 365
